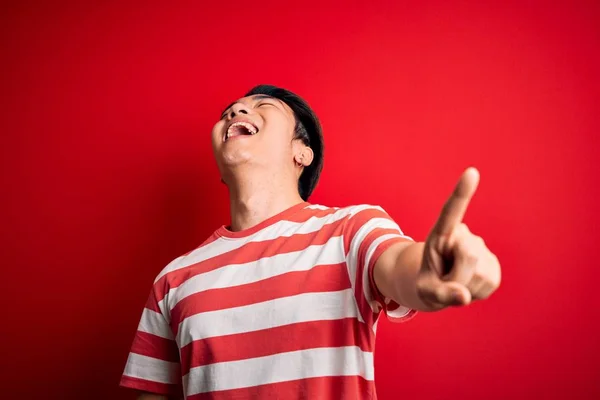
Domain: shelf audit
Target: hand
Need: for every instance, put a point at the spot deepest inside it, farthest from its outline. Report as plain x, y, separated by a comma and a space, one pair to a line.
457, 266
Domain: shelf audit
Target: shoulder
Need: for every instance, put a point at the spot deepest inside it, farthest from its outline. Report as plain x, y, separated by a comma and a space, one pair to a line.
367, 218
351, 218
193, 256
357, 212
349, 210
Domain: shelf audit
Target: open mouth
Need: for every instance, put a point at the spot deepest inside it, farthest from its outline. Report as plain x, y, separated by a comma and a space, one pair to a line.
240, 128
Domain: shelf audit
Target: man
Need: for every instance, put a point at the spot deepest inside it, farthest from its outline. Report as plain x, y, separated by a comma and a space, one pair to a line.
283, 303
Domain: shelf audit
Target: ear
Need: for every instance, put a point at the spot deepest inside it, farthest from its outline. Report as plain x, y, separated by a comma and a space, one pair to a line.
304, 157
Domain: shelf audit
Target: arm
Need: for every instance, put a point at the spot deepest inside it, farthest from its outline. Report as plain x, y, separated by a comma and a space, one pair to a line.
451, 268
395, 274
153, 367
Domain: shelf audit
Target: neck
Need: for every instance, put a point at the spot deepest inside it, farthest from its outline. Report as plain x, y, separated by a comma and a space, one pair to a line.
253, 200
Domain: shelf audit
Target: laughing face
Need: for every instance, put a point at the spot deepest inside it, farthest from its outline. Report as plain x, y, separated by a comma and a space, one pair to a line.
256, 130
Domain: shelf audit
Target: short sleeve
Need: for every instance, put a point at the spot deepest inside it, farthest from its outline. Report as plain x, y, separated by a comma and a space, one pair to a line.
153, 364
368, 232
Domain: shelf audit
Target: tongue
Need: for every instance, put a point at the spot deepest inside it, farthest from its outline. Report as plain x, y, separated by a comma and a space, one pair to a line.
238, 130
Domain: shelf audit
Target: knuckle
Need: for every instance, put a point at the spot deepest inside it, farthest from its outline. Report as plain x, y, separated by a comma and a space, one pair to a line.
480, 240
493, 281
497, 272
496, 281
496, 260
478, 278
471, 256
457, 233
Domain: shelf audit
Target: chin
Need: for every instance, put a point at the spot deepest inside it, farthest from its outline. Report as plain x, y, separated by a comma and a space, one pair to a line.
232, 159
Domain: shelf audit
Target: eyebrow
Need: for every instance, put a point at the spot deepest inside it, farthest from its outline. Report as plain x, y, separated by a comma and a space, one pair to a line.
254, 97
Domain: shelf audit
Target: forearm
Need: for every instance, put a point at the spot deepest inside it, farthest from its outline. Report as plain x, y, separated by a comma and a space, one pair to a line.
404, 278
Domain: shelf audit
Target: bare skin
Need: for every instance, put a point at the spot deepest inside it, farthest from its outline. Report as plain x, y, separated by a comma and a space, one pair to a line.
453, 267
262, 170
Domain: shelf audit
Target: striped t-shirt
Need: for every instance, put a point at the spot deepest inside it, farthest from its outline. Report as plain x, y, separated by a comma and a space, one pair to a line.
287, 309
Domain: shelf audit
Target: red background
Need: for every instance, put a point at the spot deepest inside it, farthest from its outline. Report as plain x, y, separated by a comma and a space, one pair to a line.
107, 172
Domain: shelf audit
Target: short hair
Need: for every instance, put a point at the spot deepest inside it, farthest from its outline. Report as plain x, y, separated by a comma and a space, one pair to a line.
308, 129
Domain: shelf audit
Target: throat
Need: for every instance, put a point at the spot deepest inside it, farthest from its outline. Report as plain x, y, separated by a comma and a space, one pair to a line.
253, 202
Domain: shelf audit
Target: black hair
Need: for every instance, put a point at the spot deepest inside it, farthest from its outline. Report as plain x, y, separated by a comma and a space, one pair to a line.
308, 129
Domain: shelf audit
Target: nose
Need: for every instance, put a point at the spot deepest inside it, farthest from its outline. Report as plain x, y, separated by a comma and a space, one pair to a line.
237, 109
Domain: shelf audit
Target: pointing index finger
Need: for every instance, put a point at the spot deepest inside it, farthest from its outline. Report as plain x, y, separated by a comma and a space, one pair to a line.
456, 206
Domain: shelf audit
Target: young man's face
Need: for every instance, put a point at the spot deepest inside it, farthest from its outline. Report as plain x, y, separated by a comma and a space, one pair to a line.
255, 130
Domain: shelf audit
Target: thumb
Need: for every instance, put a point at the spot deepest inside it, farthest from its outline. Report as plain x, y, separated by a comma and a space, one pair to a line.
446, 293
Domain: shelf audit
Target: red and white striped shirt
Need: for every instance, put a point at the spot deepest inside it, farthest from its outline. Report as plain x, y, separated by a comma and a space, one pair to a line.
287, 309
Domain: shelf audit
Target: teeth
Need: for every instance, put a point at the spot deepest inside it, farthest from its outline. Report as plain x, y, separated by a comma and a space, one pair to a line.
251, 128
